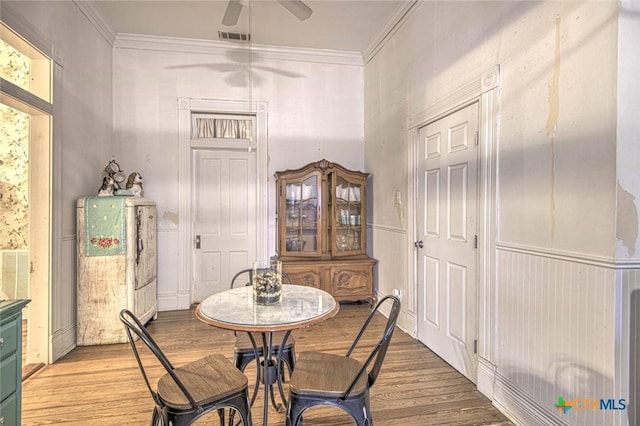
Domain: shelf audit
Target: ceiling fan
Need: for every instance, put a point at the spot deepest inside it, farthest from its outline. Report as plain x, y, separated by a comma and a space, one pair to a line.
234, 8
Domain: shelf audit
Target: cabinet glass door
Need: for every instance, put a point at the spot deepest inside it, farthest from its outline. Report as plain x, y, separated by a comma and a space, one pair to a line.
302, 216
348, 221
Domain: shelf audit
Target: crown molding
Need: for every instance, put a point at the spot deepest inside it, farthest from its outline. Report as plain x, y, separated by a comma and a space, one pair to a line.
393, 24
97, 19
210, 47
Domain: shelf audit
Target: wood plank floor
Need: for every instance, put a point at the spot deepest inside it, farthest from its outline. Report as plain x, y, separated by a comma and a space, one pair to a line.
101, 385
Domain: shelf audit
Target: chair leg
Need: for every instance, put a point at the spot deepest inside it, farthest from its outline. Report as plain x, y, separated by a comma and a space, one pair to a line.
295, 408
156, 417
359, 410
240, 404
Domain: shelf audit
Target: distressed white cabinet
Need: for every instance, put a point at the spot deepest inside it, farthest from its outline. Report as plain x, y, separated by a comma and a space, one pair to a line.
117, 266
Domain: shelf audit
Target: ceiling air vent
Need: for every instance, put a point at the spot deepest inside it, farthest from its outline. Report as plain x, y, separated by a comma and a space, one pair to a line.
229, 36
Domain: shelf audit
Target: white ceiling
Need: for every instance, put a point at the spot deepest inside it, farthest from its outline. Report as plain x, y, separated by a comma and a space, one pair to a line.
346, 25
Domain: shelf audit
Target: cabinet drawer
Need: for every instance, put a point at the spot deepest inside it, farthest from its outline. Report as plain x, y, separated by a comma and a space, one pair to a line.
8, 339
351, 281
9, 411
8, 376
303, 275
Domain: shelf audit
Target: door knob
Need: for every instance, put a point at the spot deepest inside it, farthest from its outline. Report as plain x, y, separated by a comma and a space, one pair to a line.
419, 244
197, 241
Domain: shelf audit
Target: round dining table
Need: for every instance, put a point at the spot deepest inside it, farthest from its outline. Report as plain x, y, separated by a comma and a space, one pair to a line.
299, 307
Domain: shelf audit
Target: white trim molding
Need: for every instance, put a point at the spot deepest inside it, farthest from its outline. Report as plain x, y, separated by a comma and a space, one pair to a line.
97, 19
582, 258
395, 22
212, 47
20, 25
185, 232
485, 89
519, 407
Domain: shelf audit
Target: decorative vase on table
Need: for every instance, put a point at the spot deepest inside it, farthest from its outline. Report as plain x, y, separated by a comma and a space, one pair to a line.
267, 281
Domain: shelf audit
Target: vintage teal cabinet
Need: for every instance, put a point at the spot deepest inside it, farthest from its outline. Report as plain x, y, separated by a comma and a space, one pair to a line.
11, 360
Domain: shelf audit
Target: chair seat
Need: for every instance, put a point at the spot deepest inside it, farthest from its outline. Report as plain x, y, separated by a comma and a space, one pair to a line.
309, 376
244, 346
212, 375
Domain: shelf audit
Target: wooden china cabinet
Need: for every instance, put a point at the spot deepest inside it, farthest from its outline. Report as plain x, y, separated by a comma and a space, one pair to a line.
321, 223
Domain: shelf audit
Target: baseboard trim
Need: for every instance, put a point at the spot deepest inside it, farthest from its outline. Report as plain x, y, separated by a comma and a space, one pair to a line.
518, 406
63, 342
173, 302
486, 377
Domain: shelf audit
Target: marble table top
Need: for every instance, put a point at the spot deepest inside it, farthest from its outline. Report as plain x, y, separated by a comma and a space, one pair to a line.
299, 306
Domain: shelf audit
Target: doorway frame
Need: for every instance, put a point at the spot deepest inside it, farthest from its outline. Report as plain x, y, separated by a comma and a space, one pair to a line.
187, 106
42, 346
484, 89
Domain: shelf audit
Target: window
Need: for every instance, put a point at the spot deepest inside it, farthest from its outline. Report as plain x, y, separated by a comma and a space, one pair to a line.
223, 131
25, 176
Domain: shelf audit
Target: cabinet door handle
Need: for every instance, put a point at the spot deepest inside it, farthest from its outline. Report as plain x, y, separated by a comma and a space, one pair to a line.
1, 345
1, 421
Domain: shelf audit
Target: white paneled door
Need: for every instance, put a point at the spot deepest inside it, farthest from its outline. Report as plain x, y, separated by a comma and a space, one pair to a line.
446, 225
224, 200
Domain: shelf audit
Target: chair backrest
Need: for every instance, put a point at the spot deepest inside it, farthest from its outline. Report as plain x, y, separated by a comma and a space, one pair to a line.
379, 352
241, 280
134, 329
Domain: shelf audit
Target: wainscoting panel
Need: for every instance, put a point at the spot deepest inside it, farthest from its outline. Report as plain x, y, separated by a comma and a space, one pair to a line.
555, 333
634, 357
63, 301
170, 296
628, 335
389, 246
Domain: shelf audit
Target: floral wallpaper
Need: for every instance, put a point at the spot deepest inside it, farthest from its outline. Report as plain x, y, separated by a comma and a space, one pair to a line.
14, 157
14, 66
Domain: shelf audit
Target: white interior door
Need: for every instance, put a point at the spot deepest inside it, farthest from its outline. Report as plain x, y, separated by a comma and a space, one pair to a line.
224, 218
446, 225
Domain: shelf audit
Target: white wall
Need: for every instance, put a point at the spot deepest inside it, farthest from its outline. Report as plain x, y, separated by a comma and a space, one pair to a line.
82, 128
315, 111
628, 107
627, 235
556, 186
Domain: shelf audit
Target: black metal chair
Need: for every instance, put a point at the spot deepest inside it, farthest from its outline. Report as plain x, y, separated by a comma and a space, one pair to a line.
247, 350
340, 381
186, 393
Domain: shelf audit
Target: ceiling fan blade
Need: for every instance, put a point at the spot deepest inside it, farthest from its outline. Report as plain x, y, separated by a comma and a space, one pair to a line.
231, 15
298, 8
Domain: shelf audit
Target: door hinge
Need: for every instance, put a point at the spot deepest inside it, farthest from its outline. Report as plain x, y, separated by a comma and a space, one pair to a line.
477, 137
475, 346
475, 241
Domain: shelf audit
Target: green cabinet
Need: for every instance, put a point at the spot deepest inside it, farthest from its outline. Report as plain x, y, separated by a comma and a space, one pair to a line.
11, 360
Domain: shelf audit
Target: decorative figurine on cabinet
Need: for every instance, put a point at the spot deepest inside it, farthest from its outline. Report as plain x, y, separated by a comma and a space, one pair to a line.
134, 184
113, 170
107, 188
